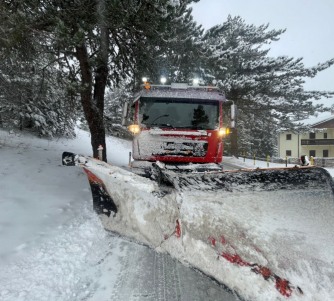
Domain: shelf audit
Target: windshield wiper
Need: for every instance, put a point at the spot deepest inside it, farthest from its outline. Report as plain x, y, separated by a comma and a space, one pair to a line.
166, 125
193, 127
165, 115
153, 123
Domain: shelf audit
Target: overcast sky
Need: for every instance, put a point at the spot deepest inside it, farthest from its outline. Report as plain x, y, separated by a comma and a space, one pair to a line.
309, 28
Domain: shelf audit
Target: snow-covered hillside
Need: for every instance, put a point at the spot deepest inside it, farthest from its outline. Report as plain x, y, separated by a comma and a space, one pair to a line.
40, 258
32, 166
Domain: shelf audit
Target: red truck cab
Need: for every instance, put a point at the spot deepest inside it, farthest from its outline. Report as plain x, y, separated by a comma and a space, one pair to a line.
178, 124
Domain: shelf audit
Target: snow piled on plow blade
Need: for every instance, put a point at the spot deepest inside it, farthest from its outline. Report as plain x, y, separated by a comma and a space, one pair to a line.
265, 240
308, 178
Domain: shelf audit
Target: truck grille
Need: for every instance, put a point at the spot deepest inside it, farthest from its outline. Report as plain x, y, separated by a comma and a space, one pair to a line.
189, 149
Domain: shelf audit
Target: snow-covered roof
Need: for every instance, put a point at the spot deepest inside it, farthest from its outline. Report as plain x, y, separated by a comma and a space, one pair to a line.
320, 118
324, 122
209, 93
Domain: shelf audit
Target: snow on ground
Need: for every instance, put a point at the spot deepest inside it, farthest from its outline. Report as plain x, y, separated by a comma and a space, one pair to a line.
26, 162
50, 240
249, 163
52, 244
52, 247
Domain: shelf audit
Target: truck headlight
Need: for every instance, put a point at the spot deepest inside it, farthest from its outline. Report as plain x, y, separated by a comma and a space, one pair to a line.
224, 132
134, 128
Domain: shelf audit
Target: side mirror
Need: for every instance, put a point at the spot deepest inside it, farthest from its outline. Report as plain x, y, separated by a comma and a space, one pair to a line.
233, 115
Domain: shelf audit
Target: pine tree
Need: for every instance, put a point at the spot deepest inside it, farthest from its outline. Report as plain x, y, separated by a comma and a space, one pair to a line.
100, 42
175, 53
263, 87
32, 96
115, 100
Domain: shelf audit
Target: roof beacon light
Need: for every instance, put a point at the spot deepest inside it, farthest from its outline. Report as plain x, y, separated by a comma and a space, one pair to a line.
163, 80
195, 81
144, 79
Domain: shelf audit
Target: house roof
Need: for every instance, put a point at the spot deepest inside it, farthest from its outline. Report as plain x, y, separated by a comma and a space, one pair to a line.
322, 120
325, 123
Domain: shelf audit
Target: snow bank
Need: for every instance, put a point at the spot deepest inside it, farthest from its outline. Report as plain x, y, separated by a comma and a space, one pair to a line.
50, 239
36, 166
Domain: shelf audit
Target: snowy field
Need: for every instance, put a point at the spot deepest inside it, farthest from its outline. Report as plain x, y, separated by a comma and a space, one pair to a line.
53, 246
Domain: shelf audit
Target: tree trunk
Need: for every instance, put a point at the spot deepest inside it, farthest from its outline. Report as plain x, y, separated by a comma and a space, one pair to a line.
99, 89
93, 105
101, 73
92, 108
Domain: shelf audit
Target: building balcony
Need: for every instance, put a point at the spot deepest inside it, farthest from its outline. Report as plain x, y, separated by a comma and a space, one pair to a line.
317, 141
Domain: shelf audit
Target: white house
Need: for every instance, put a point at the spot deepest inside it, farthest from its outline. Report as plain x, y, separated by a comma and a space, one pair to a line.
317, 143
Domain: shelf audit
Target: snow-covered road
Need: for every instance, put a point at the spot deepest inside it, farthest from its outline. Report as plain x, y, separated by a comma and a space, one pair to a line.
148, 275
52, 245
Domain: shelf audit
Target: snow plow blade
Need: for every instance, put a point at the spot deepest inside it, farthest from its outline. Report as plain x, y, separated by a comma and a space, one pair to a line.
295, 178
268, 234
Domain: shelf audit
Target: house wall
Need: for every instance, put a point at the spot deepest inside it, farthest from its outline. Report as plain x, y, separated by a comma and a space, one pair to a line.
319, 148
297, 150
288, 145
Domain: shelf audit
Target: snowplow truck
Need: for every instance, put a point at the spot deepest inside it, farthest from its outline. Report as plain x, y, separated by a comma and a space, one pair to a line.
178, 124
268, 227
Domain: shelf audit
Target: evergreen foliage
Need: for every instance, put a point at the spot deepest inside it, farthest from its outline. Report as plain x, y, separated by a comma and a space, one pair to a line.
63, 59
100, 42
115, 100
177, 53
267, 91
32, 97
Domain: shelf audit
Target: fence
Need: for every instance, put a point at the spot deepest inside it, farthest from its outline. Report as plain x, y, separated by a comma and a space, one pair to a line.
324, 162
317, 161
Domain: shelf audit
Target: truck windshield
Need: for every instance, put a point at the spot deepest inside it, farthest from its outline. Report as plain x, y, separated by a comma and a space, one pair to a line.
179, 113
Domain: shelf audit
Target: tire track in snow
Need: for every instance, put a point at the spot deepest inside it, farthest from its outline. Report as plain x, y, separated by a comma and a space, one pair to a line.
146, 275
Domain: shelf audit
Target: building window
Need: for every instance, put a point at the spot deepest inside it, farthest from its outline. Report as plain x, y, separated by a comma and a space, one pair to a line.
312, 135
288, 136
325, 135
312, 153
288, 152
325, 153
